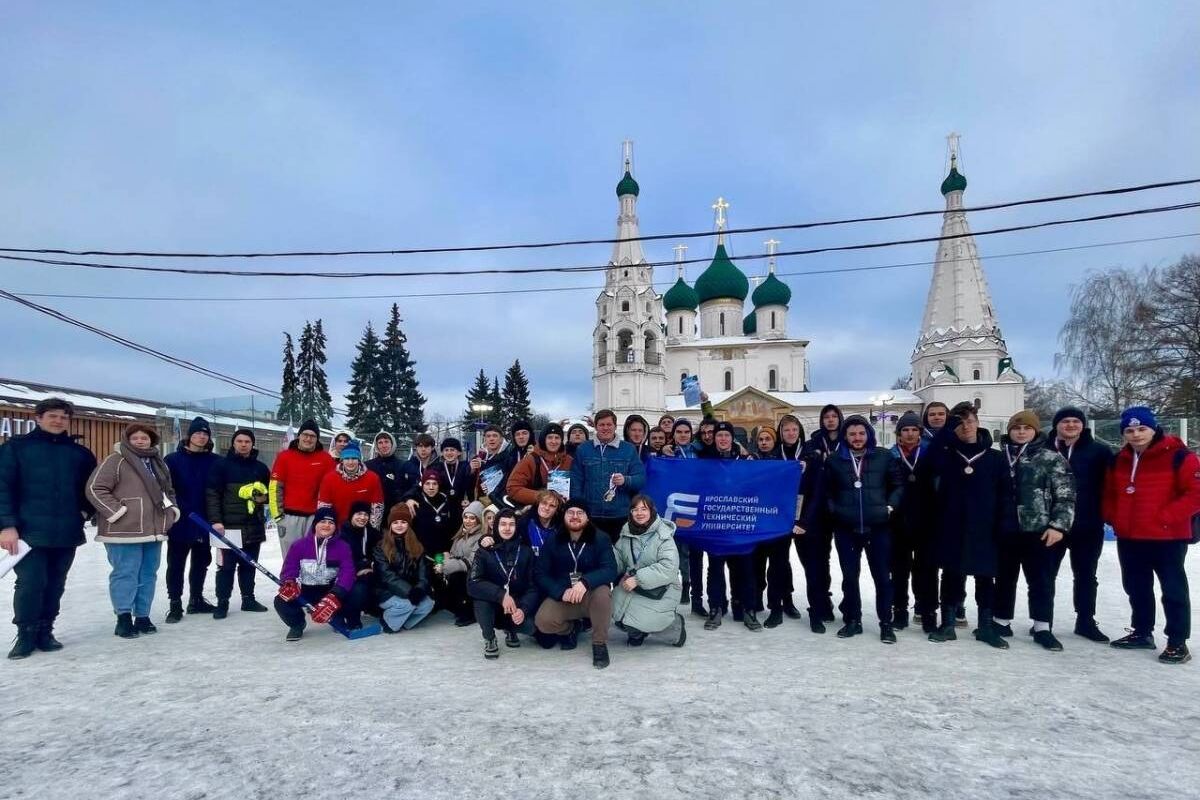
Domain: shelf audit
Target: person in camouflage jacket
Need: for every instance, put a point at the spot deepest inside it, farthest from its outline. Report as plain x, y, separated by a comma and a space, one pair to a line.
1040, 514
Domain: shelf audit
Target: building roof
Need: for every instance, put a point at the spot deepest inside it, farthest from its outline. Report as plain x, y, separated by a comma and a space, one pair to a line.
680, 297
750, 324
722, 279
772, 292
815, 400
736, 341
628, 185
954, 182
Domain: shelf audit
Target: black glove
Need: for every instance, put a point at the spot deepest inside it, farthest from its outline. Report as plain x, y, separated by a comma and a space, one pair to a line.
416, 595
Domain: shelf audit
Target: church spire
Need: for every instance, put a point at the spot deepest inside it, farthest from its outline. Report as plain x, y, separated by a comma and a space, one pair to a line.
625, 251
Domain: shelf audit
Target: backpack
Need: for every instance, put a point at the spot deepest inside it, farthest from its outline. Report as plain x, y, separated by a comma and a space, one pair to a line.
1177, 462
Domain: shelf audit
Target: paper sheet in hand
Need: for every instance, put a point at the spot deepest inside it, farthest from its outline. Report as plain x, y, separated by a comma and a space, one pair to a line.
232, 534
7, 562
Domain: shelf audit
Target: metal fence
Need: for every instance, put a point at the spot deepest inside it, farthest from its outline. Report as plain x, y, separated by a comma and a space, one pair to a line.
1186, 428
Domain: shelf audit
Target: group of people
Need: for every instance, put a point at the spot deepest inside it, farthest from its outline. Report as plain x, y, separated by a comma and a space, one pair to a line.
549, 534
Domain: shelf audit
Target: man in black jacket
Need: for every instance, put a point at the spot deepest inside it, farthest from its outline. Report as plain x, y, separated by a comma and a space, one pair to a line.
411, 471
1090, 461
42, 506
863, 485
816, 544
237, 492
388, 466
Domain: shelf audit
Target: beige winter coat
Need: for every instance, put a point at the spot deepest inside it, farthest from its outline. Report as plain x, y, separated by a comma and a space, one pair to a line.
132, 507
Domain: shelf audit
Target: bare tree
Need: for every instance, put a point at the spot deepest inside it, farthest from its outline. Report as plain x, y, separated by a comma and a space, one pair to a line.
1173, 324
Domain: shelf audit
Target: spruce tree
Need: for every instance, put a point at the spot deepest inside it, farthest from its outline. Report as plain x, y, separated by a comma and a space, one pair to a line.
304, 374
321, 399
289, 405
514, 400
496, 401
480, 392
363, 411
401, 402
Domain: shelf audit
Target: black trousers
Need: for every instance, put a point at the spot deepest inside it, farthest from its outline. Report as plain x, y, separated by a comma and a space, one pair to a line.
1026, 552
1084, 549
491, 616
455, 597
245, 572
696, 571
912, 559
1142, 560
292, 611
685, 562
741, 582
355, 601
815, 548
178, 552
878, 547
773, 573
41, 580
954, 592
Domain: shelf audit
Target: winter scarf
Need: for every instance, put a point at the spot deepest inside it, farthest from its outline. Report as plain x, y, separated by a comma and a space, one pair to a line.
149, 467
347, 474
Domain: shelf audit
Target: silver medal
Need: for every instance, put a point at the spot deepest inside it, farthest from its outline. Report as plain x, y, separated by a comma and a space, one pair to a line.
858, 484
969, 470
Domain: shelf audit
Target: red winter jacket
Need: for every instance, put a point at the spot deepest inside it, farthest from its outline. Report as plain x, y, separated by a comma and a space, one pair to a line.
1164, 498
295, 479
340, 493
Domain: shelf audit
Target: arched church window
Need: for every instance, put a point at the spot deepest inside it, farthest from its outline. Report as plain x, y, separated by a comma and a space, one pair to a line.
975, 374
772, 378
729, 380
624, 305
722, 321
625, 274
647, 308
681, 325
625, 347
978, 403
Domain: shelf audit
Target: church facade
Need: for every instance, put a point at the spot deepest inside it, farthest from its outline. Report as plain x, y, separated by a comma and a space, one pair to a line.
754, 372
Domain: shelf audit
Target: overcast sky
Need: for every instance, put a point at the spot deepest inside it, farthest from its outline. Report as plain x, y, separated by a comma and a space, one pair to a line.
305, 125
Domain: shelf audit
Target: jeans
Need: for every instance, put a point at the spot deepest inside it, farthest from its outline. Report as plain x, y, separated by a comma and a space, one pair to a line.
41, 578
178, 553
1141, 560
399, 613
878, 547
133, 577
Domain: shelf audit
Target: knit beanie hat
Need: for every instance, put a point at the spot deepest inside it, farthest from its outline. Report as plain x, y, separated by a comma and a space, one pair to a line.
575, 503
351, 451
244, 432
311, 426
1070, 412
450, 441
724, 426
323, 513
430, 475
1138, 415
399, 511
360, 505
475, 507
553, 427
1025, 417
908, 419
199, 425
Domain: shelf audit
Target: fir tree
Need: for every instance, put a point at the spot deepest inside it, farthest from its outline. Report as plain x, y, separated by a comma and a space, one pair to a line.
304, 374
289, 400
402, 405
496, 401
480, 393
363, 410
514, 400
322, 408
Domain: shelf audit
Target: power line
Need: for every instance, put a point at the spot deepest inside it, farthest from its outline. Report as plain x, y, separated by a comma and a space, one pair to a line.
596, 267
540, 290
576, 242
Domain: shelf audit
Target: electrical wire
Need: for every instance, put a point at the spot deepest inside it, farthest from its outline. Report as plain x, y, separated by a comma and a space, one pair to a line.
597, 267
577, 242
544, 289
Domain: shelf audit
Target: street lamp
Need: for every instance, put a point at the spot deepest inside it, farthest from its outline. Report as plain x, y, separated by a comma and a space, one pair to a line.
480, 424
881, 402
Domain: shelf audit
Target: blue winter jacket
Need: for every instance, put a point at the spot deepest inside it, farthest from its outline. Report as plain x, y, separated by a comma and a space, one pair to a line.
591, 469
189, 476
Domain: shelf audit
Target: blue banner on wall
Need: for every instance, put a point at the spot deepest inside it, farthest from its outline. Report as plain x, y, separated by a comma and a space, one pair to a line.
724, 507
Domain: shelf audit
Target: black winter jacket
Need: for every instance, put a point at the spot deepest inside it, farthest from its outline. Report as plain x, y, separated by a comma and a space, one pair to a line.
398, 578
390, 472
597, 564
42, 480
970, 507
363, 542
1090, 462
918, 502
862, 510
226, 477
488, 574
435, 535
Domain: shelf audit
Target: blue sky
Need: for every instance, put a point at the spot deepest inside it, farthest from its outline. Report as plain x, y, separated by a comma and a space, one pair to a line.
233, 126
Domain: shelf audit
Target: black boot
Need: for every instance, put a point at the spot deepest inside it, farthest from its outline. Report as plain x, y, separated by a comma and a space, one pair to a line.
790, 610
714, 620
929, 623
176, 612
222, 609
815, 624
45, 640
144, 625
886, 634
198, 605
1088, 629
250, 604
570, 639
853, 627
599, 656
774, 619
294, 634
750, 620
987, 632
946, 633
25, 643
125, 627
900, 618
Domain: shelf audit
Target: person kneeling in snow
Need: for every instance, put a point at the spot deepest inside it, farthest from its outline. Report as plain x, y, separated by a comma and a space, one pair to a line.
501, 584
648, 591
402, 574
319, 569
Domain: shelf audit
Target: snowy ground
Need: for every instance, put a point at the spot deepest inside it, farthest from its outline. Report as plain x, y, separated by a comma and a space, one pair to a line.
208, 709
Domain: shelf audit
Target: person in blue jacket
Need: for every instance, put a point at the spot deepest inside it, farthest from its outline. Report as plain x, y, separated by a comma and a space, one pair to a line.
189, 466
605, 475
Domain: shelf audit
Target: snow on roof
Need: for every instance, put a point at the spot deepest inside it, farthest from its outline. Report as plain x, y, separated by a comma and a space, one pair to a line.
733, 341
814, 400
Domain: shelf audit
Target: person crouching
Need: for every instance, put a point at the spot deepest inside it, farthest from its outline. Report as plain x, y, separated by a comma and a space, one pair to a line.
318, 570
648, 591
402, 584
501, 584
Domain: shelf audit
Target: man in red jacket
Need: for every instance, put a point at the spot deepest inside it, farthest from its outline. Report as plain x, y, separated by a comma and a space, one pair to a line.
295, 479
1150, 496
349, 483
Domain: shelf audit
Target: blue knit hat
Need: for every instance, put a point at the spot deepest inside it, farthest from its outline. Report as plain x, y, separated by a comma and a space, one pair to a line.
199, 425
1138, 415
351, 451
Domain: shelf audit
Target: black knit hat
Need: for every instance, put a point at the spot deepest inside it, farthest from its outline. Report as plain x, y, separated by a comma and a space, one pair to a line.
575, 503
1070, 412
555, 428
244, 432
360, 505
724, 426
199, 425
311, 426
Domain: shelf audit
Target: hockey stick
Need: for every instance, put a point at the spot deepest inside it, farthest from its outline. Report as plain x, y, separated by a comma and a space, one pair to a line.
334, 622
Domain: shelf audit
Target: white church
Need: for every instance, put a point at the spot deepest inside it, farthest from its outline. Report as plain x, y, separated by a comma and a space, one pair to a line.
755, 372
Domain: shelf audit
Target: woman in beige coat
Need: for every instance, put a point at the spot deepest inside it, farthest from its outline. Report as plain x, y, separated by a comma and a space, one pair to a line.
135, 507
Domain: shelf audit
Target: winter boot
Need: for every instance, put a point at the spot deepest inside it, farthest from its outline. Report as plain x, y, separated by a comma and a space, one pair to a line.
125, 627
900, 618
570, 639
198, 605
988, 631
45, 640
750, 620
176, 612
774, 619
25, 643
790, 610
929, 623
636, 639
828, 615
545, 640
491, 650
294, 634
682, 633
815, 624
945, 633
1047, 640
853, 627
1088, 629
1135, 641
1175, 654
599, 656
250, 604
714, 619
887, 634
222, 609
144, 625
511, 639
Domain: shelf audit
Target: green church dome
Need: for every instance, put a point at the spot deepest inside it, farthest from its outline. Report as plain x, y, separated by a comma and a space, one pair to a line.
772, 292
627, 186
750, 324
680, 297
722, 279
955, 182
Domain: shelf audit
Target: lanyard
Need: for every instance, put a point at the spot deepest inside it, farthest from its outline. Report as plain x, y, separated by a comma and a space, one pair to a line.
968, 469
508, 573
450, 473
322, 547
1070, 449
1133, 472
437, 512
575, 555
858, 468
912, 465
535, 528
1012, 460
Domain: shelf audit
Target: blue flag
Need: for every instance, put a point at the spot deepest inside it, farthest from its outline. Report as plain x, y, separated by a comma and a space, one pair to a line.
725, 507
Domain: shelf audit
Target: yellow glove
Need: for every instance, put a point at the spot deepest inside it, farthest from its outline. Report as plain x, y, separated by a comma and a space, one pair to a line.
248, 492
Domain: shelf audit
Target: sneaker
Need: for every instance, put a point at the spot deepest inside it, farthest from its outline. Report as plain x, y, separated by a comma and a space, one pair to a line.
714, 620
636, 639
790, 610
511, 639
815, 624
294, 634
989, 635
1047, 640
198, 605
144, 625
1175, 654
774, 619
222, 610
125, 627
900, 618
1088, 629
1134, 641
1006, 630
599, 656
491, 649
176, 612
851, 628
946, 633
750, 620
45, 640
929, 623
887, 634
682, 632
250, 604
